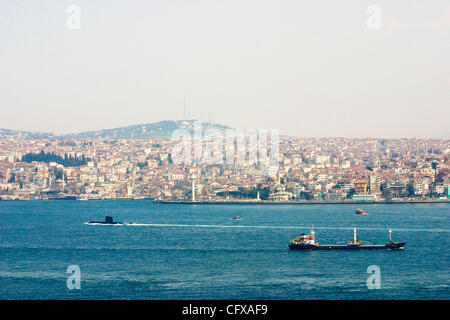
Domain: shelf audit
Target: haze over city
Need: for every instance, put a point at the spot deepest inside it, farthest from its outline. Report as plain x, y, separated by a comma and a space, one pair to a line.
309, 69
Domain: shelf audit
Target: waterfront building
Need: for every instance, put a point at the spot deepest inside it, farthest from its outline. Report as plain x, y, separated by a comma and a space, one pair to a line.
364, 197
361, 187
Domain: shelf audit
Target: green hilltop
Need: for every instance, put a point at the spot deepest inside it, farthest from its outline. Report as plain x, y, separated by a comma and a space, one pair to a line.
156, 130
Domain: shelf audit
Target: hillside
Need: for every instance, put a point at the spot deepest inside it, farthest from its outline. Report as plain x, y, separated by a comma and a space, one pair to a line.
156, 130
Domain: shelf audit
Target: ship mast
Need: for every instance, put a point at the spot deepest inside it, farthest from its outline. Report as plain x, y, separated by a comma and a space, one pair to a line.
354, 235
390, 235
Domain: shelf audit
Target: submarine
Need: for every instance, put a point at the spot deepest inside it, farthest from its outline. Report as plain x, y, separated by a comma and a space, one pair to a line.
307, 242
108, 221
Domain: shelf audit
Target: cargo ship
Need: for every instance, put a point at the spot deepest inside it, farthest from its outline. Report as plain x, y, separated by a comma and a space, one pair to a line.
307, 242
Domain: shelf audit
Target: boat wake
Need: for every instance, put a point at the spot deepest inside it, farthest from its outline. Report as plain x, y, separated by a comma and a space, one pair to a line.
108, 224
172, 225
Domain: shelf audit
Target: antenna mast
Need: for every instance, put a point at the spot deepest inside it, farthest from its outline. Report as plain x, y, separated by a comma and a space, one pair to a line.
184, 109
313, 233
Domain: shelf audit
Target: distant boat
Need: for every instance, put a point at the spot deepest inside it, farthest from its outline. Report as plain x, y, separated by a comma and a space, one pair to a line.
360, 211
65, 198
236, 218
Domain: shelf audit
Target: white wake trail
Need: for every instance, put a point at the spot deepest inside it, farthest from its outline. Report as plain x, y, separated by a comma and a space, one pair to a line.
171, 225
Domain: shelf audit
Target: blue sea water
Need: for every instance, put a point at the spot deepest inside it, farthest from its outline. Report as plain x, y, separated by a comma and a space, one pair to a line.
199, 252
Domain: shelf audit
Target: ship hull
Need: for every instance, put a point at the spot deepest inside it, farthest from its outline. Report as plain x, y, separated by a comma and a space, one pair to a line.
394, 246
104, 223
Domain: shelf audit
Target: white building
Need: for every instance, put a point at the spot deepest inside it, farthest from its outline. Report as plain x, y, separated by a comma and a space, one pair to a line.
420, 188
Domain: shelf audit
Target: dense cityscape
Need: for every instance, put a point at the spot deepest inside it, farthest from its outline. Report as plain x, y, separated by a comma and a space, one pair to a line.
309, 169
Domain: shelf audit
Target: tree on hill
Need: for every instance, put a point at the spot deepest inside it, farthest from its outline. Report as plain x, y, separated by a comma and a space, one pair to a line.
67, 161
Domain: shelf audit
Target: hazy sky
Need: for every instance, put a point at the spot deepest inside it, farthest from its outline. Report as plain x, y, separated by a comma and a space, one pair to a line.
310, 68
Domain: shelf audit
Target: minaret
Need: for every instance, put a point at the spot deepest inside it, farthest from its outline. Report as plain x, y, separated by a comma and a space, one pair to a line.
193, 189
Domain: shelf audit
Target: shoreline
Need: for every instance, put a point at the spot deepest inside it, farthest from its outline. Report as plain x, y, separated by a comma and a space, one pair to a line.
77, 199
266, 202
244, 202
